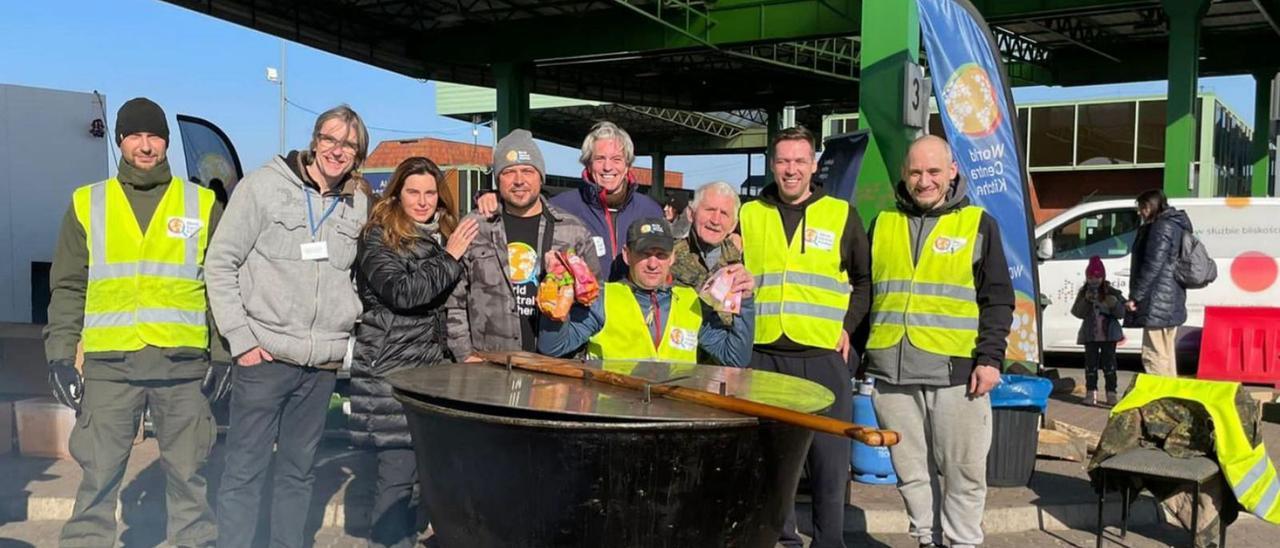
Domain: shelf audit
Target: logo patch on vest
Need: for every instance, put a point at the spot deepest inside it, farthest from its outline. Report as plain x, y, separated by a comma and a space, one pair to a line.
683, 339
183, 227
821, 239
946, 245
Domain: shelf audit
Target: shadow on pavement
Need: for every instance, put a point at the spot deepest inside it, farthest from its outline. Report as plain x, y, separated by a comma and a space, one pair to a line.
19, 473
340, 472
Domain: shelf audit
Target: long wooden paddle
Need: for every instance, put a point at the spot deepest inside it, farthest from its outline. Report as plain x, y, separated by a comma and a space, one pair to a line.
572, 369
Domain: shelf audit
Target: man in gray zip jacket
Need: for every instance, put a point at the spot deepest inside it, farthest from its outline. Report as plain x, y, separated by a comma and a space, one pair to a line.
280, 287
938, 402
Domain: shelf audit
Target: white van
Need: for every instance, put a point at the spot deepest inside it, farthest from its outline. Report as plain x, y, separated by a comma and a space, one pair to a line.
1241, 234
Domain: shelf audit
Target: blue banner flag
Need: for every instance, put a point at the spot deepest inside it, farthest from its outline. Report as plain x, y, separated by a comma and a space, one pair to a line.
978, 115
841, 162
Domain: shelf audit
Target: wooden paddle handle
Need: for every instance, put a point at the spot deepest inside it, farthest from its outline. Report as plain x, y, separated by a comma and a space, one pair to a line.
566, 368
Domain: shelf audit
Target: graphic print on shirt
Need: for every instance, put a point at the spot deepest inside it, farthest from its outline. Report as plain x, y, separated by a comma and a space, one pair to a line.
523, 273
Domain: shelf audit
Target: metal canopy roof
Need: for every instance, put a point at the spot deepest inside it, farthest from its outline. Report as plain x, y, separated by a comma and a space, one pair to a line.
1112, 42
653, 129
617, 51
727, 55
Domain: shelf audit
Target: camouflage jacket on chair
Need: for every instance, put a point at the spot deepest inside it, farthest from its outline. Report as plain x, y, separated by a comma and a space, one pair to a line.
1182, 429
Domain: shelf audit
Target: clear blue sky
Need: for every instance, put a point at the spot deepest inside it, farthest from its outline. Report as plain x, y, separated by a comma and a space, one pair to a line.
197, 65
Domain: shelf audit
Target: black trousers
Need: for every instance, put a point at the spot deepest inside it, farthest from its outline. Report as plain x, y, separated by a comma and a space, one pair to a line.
1100, 355
828, 460
280, 405
398, 512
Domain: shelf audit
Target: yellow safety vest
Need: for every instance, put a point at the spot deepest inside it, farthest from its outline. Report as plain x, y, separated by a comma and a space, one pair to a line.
1247, 468
932, 301
626, 335
145, 288
801, 289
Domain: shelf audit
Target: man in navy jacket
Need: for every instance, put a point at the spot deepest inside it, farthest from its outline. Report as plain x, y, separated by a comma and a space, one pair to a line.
608, 201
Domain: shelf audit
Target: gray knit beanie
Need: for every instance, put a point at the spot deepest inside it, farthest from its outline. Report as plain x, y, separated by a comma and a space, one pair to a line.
518, 148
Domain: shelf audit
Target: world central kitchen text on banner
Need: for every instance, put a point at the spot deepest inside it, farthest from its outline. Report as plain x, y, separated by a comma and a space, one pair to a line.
976, 106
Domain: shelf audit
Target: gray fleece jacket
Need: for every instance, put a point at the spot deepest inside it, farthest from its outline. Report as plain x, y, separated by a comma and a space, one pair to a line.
261, 290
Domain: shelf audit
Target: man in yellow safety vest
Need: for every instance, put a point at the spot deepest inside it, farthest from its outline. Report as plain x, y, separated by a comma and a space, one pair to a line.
808, 252
942, 304
128, 283
649, 319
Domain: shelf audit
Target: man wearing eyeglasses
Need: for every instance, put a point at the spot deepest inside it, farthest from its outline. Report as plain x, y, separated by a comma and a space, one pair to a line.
279, 277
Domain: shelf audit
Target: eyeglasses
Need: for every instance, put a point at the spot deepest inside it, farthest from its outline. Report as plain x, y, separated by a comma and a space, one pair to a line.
327, 142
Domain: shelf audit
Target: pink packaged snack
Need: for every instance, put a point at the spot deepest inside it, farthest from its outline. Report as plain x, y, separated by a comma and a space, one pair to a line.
585, 286
718, 292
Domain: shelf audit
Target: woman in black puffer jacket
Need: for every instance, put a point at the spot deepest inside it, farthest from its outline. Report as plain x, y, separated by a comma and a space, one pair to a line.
404, 275
1157, 303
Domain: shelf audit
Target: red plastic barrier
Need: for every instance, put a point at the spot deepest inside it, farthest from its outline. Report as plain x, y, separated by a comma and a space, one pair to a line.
1241, 343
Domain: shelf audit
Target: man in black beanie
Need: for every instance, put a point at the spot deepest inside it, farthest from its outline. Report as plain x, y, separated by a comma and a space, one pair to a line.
128, 284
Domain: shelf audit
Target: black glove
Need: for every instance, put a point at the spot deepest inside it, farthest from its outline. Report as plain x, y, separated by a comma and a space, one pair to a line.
66, 383
217, 381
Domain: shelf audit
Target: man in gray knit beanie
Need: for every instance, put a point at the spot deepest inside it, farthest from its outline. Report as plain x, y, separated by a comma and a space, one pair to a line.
518, 148
488, 313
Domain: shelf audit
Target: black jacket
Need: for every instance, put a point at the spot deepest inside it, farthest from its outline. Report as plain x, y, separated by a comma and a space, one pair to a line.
402, 327
1161, 301
855, 262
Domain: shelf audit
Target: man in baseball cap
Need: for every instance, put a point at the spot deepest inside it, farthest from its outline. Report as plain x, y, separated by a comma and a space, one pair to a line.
649, 318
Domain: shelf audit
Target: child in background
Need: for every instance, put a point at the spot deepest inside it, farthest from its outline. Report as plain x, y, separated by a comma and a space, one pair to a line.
1100, 307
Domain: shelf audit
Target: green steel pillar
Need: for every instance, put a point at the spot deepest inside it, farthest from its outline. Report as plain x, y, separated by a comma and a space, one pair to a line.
1184, 64
1260, 153
658, 185
890, 40
513, 96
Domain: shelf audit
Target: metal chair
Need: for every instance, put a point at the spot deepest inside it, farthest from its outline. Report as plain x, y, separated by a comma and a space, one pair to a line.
1156, 464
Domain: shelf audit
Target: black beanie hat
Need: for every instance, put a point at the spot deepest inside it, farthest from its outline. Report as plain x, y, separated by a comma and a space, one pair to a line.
139, 115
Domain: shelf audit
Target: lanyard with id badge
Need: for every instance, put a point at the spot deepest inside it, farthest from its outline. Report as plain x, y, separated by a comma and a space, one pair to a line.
313, 250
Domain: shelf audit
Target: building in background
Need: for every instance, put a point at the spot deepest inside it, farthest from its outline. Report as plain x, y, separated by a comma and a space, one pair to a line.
1114, 148
53, 142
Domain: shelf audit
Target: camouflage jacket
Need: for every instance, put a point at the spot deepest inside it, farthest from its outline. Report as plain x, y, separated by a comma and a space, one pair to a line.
1181, 428
481, 311
689, 269
1184, 430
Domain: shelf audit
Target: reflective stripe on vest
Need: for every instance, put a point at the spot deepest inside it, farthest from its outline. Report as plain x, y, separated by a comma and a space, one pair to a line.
145, 288
627, 336
1248, 469
801, 290
931, 301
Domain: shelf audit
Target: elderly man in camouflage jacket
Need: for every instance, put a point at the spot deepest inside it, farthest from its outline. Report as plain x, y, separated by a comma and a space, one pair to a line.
711, 243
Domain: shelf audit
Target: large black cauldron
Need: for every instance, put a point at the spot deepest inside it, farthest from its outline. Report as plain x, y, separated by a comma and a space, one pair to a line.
511, 458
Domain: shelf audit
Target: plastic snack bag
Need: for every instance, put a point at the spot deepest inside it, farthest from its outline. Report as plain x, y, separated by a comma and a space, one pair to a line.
585, 286
555, 296
718, 292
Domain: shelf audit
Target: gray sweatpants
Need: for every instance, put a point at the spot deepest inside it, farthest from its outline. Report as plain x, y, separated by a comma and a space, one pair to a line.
945, 424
